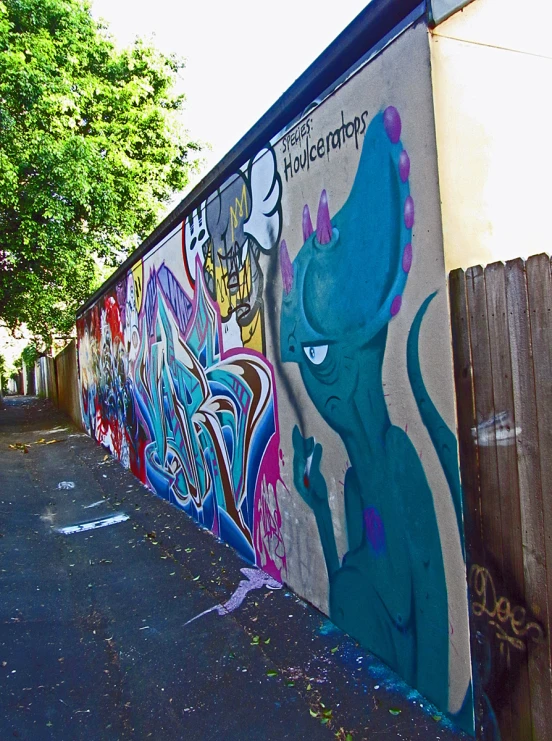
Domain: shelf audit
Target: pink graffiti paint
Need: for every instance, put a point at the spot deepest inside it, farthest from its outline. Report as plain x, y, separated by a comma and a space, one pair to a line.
323, 222
404, 166
269, 543
286, 268
392, 124
409, 212
407, 258
307, 223
396, 305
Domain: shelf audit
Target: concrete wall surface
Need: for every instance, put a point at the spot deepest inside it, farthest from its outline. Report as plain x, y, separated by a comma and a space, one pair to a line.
28, 377
492, 69
279, 367
67, 382
45, 378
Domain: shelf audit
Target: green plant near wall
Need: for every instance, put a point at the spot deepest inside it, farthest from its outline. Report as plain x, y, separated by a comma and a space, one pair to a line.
30, 355
3, 375
91, 151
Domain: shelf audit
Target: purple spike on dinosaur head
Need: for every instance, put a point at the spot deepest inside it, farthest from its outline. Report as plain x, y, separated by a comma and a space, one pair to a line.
323, 223
307, 223
286, 267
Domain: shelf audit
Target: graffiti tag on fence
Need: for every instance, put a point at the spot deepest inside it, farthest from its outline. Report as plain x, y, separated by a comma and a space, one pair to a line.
511, 625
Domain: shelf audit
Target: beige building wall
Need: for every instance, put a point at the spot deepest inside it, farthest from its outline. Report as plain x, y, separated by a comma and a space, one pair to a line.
492, 75
67, 382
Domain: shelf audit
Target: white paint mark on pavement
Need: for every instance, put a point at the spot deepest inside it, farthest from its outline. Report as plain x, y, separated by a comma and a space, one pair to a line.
66, 485
255, 580
94, 525
48, 516
94, 504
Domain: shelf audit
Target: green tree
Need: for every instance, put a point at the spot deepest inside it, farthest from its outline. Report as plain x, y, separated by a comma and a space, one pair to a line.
90, 152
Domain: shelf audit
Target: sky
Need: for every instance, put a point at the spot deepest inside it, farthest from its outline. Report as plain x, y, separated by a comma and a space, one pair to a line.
241, 56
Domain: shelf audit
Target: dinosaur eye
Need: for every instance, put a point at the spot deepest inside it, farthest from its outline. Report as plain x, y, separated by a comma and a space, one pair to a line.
316, 353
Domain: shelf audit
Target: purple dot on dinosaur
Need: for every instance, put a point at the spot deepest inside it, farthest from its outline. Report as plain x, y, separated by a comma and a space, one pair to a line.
396, 305
374, 529
392, 123
409, 212
286, 268
407, 258
404, 166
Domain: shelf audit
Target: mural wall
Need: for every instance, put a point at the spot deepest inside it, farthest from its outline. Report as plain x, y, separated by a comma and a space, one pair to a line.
279, 367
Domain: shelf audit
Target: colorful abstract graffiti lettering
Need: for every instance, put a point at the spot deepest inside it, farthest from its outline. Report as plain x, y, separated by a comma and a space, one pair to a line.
209, 415
171, 382
341, 291
106, 385
227, 234
194, 422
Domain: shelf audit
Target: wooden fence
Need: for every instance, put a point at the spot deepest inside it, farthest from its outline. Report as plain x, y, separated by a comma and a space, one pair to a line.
502, 344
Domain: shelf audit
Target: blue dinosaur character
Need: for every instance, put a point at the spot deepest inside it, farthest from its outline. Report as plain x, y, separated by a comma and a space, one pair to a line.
343, 288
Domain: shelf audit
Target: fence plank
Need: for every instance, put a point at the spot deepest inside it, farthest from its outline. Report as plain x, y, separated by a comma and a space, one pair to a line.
484, 414
514, 677
530, 490
463, 379
539, 282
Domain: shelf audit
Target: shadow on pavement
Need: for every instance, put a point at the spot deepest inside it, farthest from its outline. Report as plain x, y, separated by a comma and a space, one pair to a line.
147, 627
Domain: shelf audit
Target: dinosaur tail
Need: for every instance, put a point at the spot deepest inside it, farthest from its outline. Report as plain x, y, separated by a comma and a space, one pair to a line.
441, 436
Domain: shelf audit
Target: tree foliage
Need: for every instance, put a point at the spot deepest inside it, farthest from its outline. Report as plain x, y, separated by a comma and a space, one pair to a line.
90, 151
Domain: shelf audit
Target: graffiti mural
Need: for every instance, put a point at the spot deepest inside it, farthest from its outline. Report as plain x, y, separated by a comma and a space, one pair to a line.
341, 291
274, 367
209, 415
167, 388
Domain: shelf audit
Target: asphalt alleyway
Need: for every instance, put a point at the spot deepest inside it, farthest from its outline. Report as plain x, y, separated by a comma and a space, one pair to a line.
98, 639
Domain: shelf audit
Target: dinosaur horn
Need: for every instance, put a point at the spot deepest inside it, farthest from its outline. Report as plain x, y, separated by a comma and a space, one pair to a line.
286, 267
323, 223
307, 223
